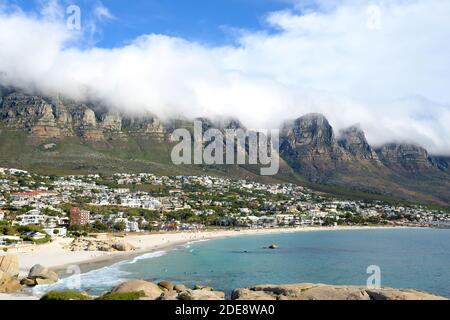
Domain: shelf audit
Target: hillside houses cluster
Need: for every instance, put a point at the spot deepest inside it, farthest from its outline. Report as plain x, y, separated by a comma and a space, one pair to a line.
142, 202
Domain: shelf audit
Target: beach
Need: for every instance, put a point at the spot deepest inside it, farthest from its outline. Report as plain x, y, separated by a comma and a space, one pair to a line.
54, 255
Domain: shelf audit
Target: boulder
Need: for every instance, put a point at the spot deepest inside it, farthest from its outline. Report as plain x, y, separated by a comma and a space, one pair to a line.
197, 287
332, 293
151, 290
274, 247
8, 284
201, 295
44, 282
394, 294
123, 246
180, 288
9, 264
169, 295
28, 282
166, 285
309, 291
41, 272
247, 294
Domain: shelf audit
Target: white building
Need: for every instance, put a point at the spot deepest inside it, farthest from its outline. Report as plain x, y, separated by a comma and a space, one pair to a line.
132, 226
32, 217
56, 232
152, 204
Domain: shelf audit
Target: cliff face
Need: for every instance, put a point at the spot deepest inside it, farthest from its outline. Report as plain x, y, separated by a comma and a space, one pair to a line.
353, 141
407, 157
57, 119
443, 163
308, 147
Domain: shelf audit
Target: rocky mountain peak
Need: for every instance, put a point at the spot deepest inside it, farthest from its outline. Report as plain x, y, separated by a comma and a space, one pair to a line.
312, 130
353, 140
231, 124
411, 157
309, 145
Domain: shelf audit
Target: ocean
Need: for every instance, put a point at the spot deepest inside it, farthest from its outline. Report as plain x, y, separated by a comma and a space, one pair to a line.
407, 258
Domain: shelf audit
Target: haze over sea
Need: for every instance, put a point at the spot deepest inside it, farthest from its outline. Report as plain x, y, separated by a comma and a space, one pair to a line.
408, 258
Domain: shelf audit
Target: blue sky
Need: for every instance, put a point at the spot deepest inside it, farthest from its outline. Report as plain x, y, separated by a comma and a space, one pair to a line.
212, 22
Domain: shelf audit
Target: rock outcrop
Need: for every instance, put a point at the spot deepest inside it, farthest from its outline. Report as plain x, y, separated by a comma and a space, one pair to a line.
353, 140
40, 275
409, 157
150, 290
58, 118
167, 291
166, 285
93, 244
91, 137
309, 145
306, 291
443, 163
309, 291
8, 284
201, 294
9, 272
9, 264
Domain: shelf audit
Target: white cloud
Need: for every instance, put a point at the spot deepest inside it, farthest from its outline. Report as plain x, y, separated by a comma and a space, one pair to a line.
102, 13
331, 61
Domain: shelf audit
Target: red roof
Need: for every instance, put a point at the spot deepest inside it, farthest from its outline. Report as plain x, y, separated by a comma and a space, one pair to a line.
33, 193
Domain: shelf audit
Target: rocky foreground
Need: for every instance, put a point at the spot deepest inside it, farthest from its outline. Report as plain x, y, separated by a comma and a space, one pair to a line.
9, 275
144, 290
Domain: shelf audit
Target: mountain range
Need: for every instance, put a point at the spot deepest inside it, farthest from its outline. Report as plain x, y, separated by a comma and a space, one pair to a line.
54, 135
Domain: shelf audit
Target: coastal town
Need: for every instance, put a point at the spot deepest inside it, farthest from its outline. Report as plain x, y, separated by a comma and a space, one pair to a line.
37, 209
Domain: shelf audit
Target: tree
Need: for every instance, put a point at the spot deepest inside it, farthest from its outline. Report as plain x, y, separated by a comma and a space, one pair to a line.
120, 226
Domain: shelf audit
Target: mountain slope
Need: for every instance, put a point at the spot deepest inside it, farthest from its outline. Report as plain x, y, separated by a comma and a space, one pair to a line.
55, 135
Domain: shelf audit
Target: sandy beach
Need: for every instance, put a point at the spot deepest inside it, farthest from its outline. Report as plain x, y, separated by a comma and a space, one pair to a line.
54, 256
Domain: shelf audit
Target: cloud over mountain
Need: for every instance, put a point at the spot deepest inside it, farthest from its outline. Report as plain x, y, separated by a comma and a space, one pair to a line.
380, 64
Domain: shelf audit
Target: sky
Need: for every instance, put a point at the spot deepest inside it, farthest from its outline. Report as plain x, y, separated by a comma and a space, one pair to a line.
212, 22
381, 64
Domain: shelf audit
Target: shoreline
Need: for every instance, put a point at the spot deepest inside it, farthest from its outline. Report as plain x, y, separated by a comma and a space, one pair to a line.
55, 258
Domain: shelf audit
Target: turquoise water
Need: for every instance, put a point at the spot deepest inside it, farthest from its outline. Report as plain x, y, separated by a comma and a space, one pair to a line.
408, 258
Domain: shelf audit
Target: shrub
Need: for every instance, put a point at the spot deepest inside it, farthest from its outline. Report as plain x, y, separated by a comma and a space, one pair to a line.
65, 295
123, 296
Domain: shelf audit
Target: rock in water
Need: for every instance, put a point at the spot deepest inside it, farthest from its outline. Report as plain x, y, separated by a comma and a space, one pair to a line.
274, 247
39, 271
9, 264
151, 290
40, 275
